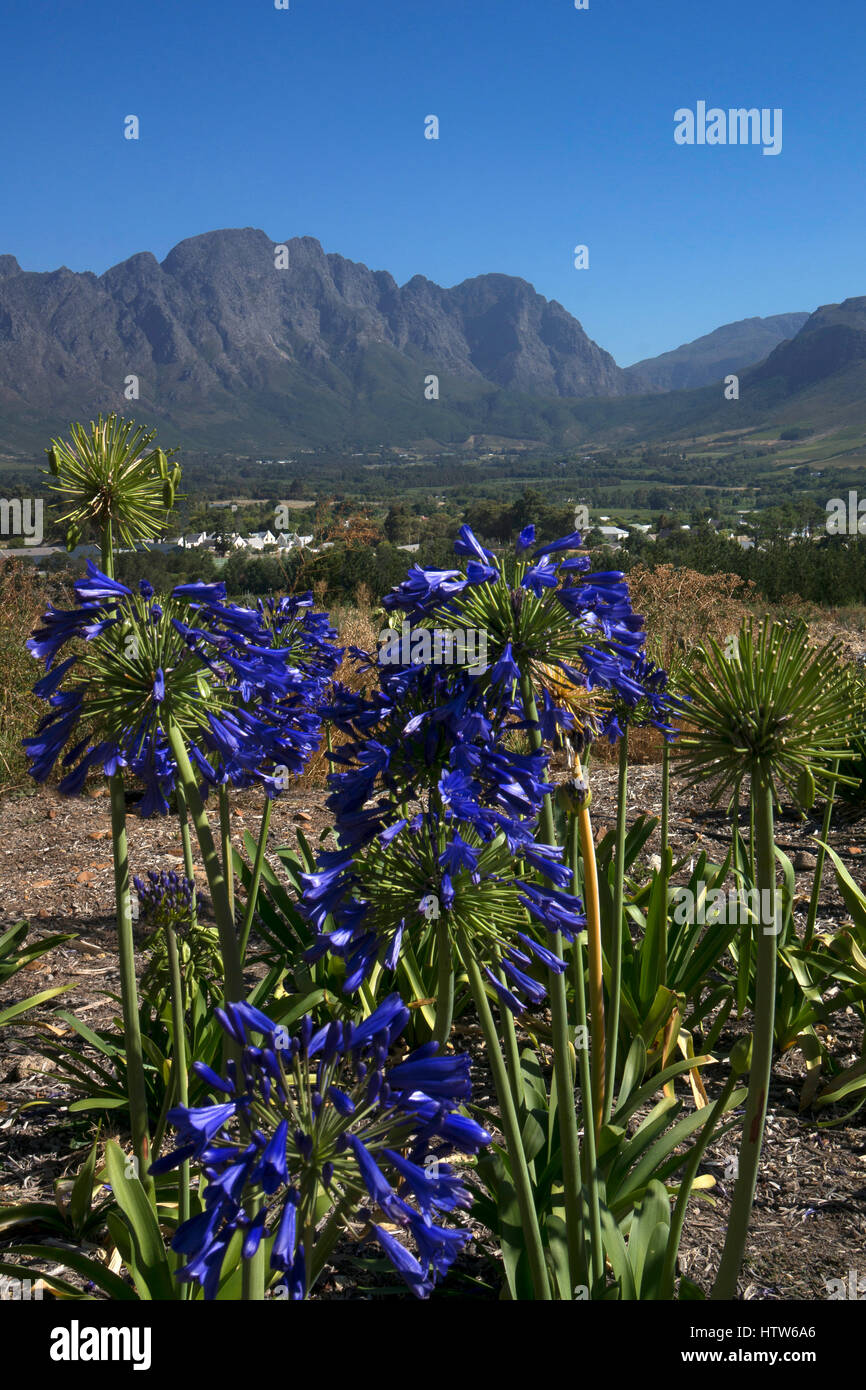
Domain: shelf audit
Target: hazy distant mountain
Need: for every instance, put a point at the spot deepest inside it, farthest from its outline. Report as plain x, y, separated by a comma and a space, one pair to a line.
709, 359
217, 336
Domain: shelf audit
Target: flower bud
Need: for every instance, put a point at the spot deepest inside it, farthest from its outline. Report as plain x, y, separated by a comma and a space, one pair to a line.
806, 788
573, 795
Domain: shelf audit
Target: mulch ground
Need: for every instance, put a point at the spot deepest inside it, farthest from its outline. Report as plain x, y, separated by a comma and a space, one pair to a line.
809, 1222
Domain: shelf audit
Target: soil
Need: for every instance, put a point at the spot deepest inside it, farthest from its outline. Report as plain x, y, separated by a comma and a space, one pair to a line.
809, 1220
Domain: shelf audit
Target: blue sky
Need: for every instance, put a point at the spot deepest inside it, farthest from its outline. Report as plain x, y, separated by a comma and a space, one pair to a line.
556, 128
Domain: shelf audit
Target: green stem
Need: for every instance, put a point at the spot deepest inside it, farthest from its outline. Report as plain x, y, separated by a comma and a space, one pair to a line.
512, 1060
686, 1184
255, 884
819, 863
179, 1057
225, 921
615, 993
594, 959
754, 1120
136, 1087
330, 746
253, 1276
253, 1273
168, 1101
562, 1064
107, 548
186, 841
445, 983
510, 1127
590, 1157
322, 1246
226, 845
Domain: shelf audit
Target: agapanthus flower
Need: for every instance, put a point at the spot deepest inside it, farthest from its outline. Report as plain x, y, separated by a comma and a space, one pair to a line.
306, 635
437, 812
437, 869
425, 734
646, 702
327, 1127
572, 633
168, 902
166, 897
245, 711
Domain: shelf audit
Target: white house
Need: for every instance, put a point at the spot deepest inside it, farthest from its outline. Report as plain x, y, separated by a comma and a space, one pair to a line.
613, 534
194, 542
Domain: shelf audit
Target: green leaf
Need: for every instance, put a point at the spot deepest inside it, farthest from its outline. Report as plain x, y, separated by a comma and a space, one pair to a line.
81, 1196
648, 1240
149, 1262
854, 898
32, 1213
633, 1071
35, 999
82, 1264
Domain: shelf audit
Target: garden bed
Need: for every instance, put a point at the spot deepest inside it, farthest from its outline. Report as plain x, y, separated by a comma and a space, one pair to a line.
809, 1220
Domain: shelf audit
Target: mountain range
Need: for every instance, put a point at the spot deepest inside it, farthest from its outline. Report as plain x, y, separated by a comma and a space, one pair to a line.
235, 342
712, 357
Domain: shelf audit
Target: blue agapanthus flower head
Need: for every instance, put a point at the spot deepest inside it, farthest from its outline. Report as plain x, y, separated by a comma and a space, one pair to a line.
433, 871
644, 700
194, 660
306, 635
327, 1125
551, 624
427, 734
167, 898
437, 816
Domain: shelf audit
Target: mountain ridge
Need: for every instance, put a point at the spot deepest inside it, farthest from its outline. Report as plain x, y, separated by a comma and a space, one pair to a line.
225, 350
731, 347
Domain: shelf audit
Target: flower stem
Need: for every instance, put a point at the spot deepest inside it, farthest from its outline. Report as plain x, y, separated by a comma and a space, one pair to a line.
596, 973
590, 1157
179, 1056
255, 884
510, 1127
754, 1119
562, 1063
253, 1272
226, 845
186, 841
253, 1275
512, 1061
329, 742
445, 983
615, 994
213, 868
135, 1082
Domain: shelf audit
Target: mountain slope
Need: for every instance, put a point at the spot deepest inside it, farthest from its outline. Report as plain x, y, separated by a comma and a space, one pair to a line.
709, 359
831, 340
216, 333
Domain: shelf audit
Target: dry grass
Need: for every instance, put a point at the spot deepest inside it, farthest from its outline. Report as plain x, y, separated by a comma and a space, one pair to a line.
358, 626
22, 600
682, 608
